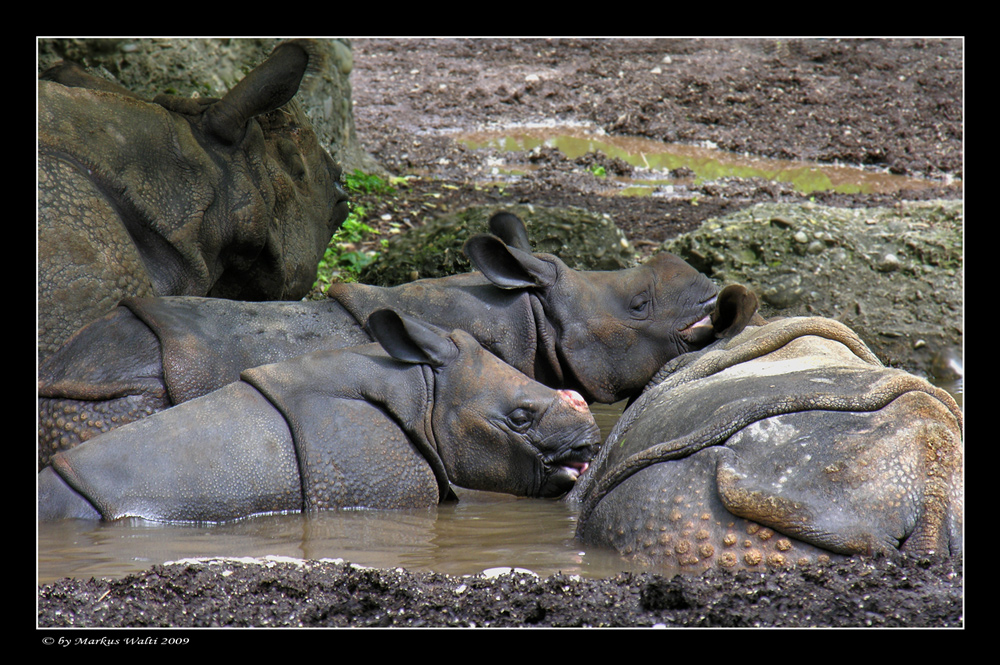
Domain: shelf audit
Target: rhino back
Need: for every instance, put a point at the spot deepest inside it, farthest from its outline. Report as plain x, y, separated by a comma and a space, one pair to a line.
361, 426
222, 457
803, 438
207, 342
109, 225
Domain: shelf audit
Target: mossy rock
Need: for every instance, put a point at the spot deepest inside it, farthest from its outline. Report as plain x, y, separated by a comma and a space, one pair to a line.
895, 275
583, 240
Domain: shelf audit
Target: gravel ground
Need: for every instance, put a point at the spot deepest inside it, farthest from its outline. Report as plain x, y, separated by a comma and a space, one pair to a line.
283, 593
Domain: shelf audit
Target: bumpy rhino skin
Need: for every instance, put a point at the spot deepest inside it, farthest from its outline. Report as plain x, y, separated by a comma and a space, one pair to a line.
388, 425
231, 198
786, 444
602, 334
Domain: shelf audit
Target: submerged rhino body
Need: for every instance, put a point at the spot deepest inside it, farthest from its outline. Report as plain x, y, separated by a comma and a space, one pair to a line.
789, 443
388, 425
602, 334
231, 197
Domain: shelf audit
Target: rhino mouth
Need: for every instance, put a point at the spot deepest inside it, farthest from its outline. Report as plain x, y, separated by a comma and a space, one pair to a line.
701, 331
564, 472
341, 207
561, 480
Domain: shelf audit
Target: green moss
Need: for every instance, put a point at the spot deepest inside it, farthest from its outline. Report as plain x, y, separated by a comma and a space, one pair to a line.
583, 240
367, 183
343, 261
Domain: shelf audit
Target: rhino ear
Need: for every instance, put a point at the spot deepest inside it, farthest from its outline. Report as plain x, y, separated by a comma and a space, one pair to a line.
509, 228
269, 86
735, 307
411, 341
508, 267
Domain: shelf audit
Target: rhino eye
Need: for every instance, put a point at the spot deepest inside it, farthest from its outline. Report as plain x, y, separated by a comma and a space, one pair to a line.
520, 420
639, 307
290, 156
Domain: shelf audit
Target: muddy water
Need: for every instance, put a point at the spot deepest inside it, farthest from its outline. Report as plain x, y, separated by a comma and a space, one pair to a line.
481, 531
704, 162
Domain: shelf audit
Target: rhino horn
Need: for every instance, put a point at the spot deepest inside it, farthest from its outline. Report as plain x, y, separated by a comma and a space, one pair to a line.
269, 86
509, 228
506, 266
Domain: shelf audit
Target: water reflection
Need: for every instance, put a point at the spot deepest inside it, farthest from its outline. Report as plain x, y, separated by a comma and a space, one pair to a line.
481, 531
706, 163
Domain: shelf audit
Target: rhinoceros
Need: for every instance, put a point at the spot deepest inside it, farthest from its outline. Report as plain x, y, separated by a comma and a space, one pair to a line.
386, 425
788, 443
601, 333
231, 198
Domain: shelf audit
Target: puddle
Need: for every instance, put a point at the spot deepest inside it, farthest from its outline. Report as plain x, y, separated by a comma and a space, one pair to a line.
483, 530
479, 532
706, 163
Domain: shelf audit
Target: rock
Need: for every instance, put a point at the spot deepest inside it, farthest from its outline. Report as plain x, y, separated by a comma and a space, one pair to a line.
895, 275
583, 240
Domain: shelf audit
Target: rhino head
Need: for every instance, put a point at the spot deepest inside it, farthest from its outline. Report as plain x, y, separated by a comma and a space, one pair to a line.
230, 197
298, 181
610, 330
496, 430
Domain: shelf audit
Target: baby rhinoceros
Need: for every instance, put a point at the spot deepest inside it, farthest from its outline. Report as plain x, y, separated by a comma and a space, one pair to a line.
786, 444
603, 334
230, 198
387, 425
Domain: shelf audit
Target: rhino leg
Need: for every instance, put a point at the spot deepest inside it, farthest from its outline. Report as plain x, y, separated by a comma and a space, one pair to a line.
670, 514
855, 483
91, 386
220, 457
